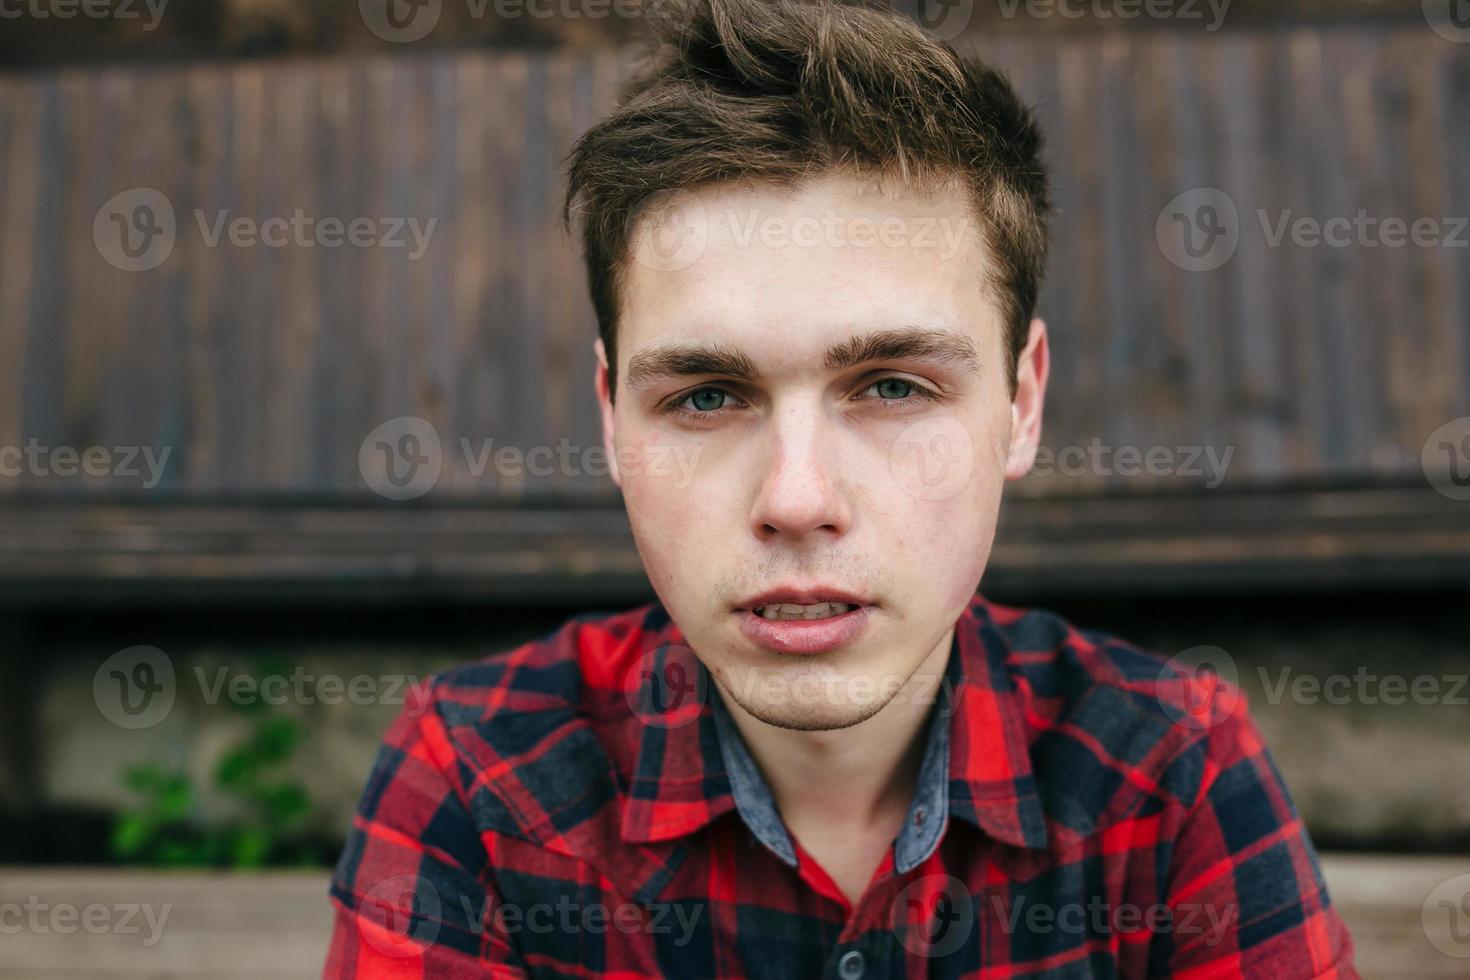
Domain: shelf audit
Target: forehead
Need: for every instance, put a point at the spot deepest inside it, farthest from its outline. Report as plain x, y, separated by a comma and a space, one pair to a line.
834, 256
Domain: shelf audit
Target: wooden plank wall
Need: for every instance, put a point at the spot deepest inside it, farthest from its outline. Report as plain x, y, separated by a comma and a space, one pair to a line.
264, 368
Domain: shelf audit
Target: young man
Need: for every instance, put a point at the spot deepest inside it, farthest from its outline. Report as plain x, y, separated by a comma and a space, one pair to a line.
814, 238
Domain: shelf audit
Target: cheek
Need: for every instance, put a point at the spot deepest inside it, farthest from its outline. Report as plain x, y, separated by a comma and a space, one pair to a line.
958, 533
668, 498
947, 524
654, 467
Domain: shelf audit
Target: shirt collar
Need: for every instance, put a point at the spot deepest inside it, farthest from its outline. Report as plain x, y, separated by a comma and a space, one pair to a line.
923, 825
976, 764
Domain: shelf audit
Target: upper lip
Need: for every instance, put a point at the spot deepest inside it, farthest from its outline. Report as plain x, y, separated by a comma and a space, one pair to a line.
809, 595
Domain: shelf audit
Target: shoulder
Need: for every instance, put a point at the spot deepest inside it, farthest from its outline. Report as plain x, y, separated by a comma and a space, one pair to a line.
573, 667
1113, 726
534, 734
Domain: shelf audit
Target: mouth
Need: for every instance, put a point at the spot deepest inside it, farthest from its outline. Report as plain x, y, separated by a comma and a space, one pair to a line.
804, 621
793, 611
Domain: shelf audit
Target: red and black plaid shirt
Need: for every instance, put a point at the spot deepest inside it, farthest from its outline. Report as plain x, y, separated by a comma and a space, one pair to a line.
582, 807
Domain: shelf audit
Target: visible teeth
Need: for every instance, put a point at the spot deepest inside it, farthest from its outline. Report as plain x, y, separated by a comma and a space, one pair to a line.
787, 610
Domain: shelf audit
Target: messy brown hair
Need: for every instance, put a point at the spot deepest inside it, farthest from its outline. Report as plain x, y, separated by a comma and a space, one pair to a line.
779, 91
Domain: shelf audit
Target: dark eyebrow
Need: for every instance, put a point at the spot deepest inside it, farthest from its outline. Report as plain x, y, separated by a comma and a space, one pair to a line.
909, 343
675, 360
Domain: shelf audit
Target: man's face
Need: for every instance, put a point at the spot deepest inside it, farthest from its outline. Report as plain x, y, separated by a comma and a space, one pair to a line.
812, 402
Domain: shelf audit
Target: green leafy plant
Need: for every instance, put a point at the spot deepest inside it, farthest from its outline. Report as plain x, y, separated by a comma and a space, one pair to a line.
163, 826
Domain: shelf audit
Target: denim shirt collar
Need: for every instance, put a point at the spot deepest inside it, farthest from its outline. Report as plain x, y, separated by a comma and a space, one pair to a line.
927, 815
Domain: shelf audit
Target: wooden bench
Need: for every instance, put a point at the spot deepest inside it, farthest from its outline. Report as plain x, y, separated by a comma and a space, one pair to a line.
274, 926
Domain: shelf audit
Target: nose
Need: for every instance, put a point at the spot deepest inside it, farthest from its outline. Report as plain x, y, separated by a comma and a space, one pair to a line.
802, 491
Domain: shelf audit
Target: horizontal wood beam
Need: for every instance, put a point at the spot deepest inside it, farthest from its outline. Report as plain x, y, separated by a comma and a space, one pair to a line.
101, 553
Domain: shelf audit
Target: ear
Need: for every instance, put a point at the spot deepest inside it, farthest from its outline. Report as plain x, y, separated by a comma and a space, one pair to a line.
605, 403
1031, 373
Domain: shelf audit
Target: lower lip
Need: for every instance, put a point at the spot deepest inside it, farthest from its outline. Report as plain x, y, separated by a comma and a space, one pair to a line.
804, 636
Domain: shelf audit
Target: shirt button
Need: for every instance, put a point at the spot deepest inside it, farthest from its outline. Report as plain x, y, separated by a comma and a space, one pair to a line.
852, 965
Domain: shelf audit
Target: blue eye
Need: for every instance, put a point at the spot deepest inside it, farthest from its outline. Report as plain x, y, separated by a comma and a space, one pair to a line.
701, 405
897, 392
710, 403
707, 399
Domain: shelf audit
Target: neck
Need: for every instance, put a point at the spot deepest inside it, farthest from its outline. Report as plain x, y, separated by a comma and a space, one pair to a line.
863, 774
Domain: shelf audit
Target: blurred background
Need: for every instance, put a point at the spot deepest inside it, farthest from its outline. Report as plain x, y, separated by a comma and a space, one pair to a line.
296, 409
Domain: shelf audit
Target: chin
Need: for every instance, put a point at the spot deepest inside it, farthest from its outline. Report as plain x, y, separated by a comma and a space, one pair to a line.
804, 700
813, 718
